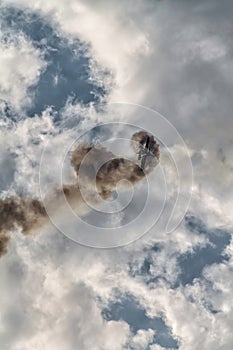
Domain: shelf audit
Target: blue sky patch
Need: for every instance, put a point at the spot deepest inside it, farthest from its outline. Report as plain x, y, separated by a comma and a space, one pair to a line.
128, 310
67, 73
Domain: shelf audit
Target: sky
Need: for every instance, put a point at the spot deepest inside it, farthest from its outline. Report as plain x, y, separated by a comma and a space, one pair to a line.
156, 274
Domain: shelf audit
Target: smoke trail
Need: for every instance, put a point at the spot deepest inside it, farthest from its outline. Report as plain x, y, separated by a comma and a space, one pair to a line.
4, 239
19, 212
116, 169
30, 214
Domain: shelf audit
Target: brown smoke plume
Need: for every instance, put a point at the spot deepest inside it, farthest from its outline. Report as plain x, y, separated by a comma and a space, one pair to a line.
116, 169
30, 214
4, 239
16, 211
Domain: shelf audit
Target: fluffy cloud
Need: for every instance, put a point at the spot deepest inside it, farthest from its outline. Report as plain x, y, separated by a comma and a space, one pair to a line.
64, 314
158, 56
117, 45
142, 339
20, 68
171, 56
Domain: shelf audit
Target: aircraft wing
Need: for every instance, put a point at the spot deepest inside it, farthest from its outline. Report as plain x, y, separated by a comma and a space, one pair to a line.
147, 142
143, 161
150, 144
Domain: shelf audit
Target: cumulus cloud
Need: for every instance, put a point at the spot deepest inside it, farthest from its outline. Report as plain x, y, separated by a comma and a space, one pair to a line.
130, 44
20, 68
142, 339
174, 57
185, 88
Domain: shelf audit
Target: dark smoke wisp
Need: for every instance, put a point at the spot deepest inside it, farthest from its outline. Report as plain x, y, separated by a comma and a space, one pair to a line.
30, 214
19, 212
117, 169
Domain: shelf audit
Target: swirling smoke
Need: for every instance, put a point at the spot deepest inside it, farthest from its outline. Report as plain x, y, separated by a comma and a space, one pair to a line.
30, 214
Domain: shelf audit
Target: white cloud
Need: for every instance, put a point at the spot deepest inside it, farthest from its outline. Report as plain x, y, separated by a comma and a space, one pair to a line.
20, 68
116, 42
164, 57
55, 310
158, 56
142, 339
158, 347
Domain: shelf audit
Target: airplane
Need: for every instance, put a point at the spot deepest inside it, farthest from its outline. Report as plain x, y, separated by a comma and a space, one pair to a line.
145, 150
